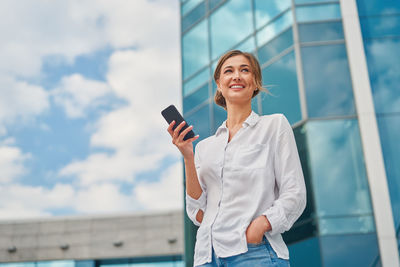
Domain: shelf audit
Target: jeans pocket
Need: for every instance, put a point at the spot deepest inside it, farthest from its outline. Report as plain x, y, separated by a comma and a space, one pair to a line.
256, 245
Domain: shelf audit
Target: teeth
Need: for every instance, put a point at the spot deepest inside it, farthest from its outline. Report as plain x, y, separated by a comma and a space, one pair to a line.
236, 86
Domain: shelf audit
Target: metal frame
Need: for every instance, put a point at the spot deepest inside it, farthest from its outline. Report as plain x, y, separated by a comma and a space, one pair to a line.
369, 133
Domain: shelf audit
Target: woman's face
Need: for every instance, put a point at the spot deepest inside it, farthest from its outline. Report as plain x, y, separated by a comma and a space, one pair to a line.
236, 81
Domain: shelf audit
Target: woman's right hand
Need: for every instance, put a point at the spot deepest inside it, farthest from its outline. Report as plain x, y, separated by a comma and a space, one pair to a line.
184, 146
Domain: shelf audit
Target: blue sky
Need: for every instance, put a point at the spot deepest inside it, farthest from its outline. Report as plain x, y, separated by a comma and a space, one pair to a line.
82, 84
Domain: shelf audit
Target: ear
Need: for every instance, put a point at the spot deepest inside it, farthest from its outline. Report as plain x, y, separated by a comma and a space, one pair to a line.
218, 87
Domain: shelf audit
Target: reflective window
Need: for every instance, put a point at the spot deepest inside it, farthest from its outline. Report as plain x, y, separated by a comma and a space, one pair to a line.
384, 67
229, 25
219, 116
349, 250
214, 3
347, 225
338, 175
200, 121
247, 46
326, 93
274, 47
380, 26
55, 264
274, 28
189, 5
195, 98
195, 15
196, 81
325, 31
280, 79
378, 7
300, 253
195, 49
389, 130
310, 1
317, 12
267, 10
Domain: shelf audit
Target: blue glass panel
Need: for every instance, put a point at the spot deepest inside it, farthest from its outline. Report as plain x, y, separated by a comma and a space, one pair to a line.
189, 5
311, 1
195, 15
327, 81
274, 47
384, 67
196, 81
389, 130
347, 225
324, 31
213, 3
247, 46
349, 250
388, 25
55, 264
230, 23
281, 80
305, 253
317, 12
219, 116
378, 7
338, 172
195, 49
195, 98
254, 103
267, 10
273, 29
200, 121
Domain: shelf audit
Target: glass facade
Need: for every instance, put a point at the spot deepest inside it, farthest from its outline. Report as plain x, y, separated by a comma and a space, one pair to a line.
302, 51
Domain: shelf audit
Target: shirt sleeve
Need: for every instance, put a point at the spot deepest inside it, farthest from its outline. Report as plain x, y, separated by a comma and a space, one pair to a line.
194, 205
291, 199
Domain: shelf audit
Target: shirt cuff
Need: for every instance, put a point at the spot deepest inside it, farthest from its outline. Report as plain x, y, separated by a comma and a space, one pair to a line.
275, 220
194, 205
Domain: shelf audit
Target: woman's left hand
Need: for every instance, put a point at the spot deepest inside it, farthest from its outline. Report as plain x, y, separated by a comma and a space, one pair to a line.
256, 229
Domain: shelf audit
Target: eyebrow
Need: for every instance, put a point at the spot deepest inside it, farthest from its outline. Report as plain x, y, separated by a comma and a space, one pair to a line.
241, 66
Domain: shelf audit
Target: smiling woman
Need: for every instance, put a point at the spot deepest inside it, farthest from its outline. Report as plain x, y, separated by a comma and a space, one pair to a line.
244, 185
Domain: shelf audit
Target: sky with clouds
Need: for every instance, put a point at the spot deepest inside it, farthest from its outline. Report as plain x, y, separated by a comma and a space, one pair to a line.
82, 84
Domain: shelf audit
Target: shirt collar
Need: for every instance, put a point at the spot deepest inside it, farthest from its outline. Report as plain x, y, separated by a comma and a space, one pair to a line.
251, 120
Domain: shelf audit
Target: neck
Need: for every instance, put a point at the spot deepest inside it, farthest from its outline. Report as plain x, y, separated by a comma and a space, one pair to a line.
237, 114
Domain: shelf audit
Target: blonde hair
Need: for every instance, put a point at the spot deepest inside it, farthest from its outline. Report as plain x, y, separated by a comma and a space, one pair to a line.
255, 68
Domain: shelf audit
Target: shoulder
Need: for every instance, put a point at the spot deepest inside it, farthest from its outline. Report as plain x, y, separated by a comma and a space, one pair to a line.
276, 121
204, 143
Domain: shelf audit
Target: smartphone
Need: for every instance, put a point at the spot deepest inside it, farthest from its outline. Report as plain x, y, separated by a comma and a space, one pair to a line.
172, 114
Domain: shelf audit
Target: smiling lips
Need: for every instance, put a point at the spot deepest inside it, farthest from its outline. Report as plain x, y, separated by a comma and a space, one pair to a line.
236, 86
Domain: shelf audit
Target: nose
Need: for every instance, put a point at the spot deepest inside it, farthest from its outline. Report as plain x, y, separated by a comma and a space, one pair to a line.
236, 76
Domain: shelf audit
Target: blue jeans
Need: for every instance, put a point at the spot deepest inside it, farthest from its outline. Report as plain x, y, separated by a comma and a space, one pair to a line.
257, 255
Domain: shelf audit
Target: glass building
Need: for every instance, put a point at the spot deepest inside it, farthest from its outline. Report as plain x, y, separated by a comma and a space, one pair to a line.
333, 69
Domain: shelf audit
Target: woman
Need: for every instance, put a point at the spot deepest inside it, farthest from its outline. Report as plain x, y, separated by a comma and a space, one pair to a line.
244, 185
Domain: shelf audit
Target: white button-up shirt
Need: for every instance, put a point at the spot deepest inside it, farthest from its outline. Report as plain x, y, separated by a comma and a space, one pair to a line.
257, 173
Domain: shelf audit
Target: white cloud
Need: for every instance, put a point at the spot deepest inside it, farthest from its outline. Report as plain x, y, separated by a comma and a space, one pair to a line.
20, 100
11, 162
100, 167
166, 194
103, 198
33, 30
22, 201
144, 70
77, 95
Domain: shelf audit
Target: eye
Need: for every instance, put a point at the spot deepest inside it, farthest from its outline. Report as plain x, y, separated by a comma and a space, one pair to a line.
245, 70
227, 70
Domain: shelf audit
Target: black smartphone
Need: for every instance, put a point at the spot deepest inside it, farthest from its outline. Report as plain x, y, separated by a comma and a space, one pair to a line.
172, 114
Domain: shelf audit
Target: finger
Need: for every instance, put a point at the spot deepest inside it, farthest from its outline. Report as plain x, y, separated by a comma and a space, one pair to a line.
178, 129
184, 132
171, 125
192, 139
